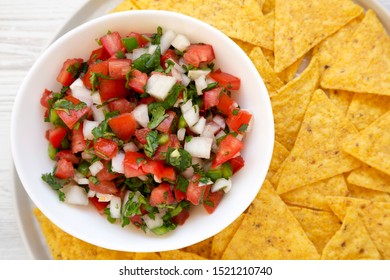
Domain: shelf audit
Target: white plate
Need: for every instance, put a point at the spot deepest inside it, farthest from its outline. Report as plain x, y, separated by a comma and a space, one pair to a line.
31, 233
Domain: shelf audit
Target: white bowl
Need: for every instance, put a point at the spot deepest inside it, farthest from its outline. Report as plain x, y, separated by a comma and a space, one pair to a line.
29, 146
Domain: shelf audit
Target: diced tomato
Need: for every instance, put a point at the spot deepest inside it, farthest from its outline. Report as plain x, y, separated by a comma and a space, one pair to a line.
237, 163
137, 81
148, 100
109, 89
228, 148
71, 117
155, 168
99, 205
98, 54
198, 53
211, 202
98, 68
141, 39
196, 193
105, 148
68, 71
68, 155
238, 120
64, 169
169, 174
132, 164
160, 153
112, 43
167, 124
161, 195
105, 187
46, 96
169, 54
105, 174
122, 105
78, 143
181, 218
118, 68
226, 80
123, 125
136, 220
56, 136
226, 104
211, 97
141, 134
179, 195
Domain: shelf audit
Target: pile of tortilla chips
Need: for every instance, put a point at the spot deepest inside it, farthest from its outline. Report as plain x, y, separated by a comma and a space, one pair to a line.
326, 65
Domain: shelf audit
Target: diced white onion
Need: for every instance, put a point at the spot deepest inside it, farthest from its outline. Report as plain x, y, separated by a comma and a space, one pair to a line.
91, 193
98, 112
178, 76
185, 80
186, 106
159, 85
180, 42
191, 115
199, 127
96, 167
130, 147
166, 40
87, 155
140, 114
103, 197
75, 194
222, 183
138, 52
188, 173
220, 121
81, 92
220, 134
195, 74
80, 178
129, 56
200, 84
199, 147
181, 133
117, 163
210, 129
152, 49
115, 207
96, 99
88, 126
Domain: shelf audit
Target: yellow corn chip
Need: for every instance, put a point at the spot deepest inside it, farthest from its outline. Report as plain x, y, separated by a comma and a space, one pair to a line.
375, 216
317, 154
262, 235
319, 226
180, 255
364, 63
268, 6
370, 178
290, 103
299, 26
351, 242
366, 108
279, 154
126, 5
369, 194
372, 145
342, 99
222, 239
314, 195
246, 47
202, 248
290, 72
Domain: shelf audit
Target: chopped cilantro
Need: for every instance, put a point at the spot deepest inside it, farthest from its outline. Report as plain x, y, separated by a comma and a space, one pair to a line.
147, 63
243, 127
104, 130
156, 37
178, 158
66, 105
108, 214
151, 143
158, 115
210, 86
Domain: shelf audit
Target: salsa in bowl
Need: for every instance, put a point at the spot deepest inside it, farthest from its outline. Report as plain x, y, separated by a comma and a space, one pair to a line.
163, 129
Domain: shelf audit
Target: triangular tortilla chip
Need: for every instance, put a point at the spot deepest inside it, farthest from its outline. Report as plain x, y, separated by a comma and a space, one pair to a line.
317, 154
319, 226
366, 108
202, 248
268, 6
364, 63
314, 195
180, 255
126, 5
341, 98
370, 178
279, 154
369, 194
372, 145
351, 242
375, 216
263, 236
290, 103
299, 26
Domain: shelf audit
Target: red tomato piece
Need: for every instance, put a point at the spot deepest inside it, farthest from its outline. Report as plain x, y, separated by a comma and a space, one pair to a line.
98, 68
137, 81
211, 97
118, 68
237, 163
122, 105
64, 169
141, 38
212, 201
226, 104
238, 120
161, 195
169, 174
109, 89
72, 116
46, 96
228, 148
99, 205
166, 125
160, 153
78, 143
105, 187
196, 193
112, 43
179, 195
132, 164
56, 136
123, 125
67, 74
155, 168
68, 155
98, 54
105, 174
198, 53
181, 218
148, 100
226, 80
105, 148
141, 134
169, 54
136, 220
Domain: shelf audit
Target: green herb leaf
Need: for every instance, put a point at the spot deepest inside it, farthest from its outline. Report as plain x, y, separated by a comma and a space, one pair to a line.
151, 143
147, 63
54, 182
157, 36
158, 115
104, 130
243, 127
180, 159
182, 183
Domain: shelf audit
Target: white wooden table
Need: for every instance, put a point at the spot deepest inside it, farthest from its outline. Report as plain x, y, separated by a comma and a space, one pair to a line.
26, 27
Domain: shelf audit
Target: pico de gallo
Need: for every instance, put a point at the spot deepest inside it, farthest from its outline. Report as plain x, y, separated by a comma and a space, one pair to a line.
145, 129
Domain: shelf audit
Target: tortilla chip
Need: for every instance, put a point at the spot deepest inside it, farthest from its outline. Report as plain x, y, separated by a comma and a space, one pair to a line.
319, 226
245, 46
126, 5
375, 216
180, 255
279, 154
366, 108
271, 80
351, 242
317, 154
202, 248
372, 145
364, 63
364, 193
299, 26
262, 235
290, 103
370, 178
222, 239
291, 72
341, 98
268, 6
314, 195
